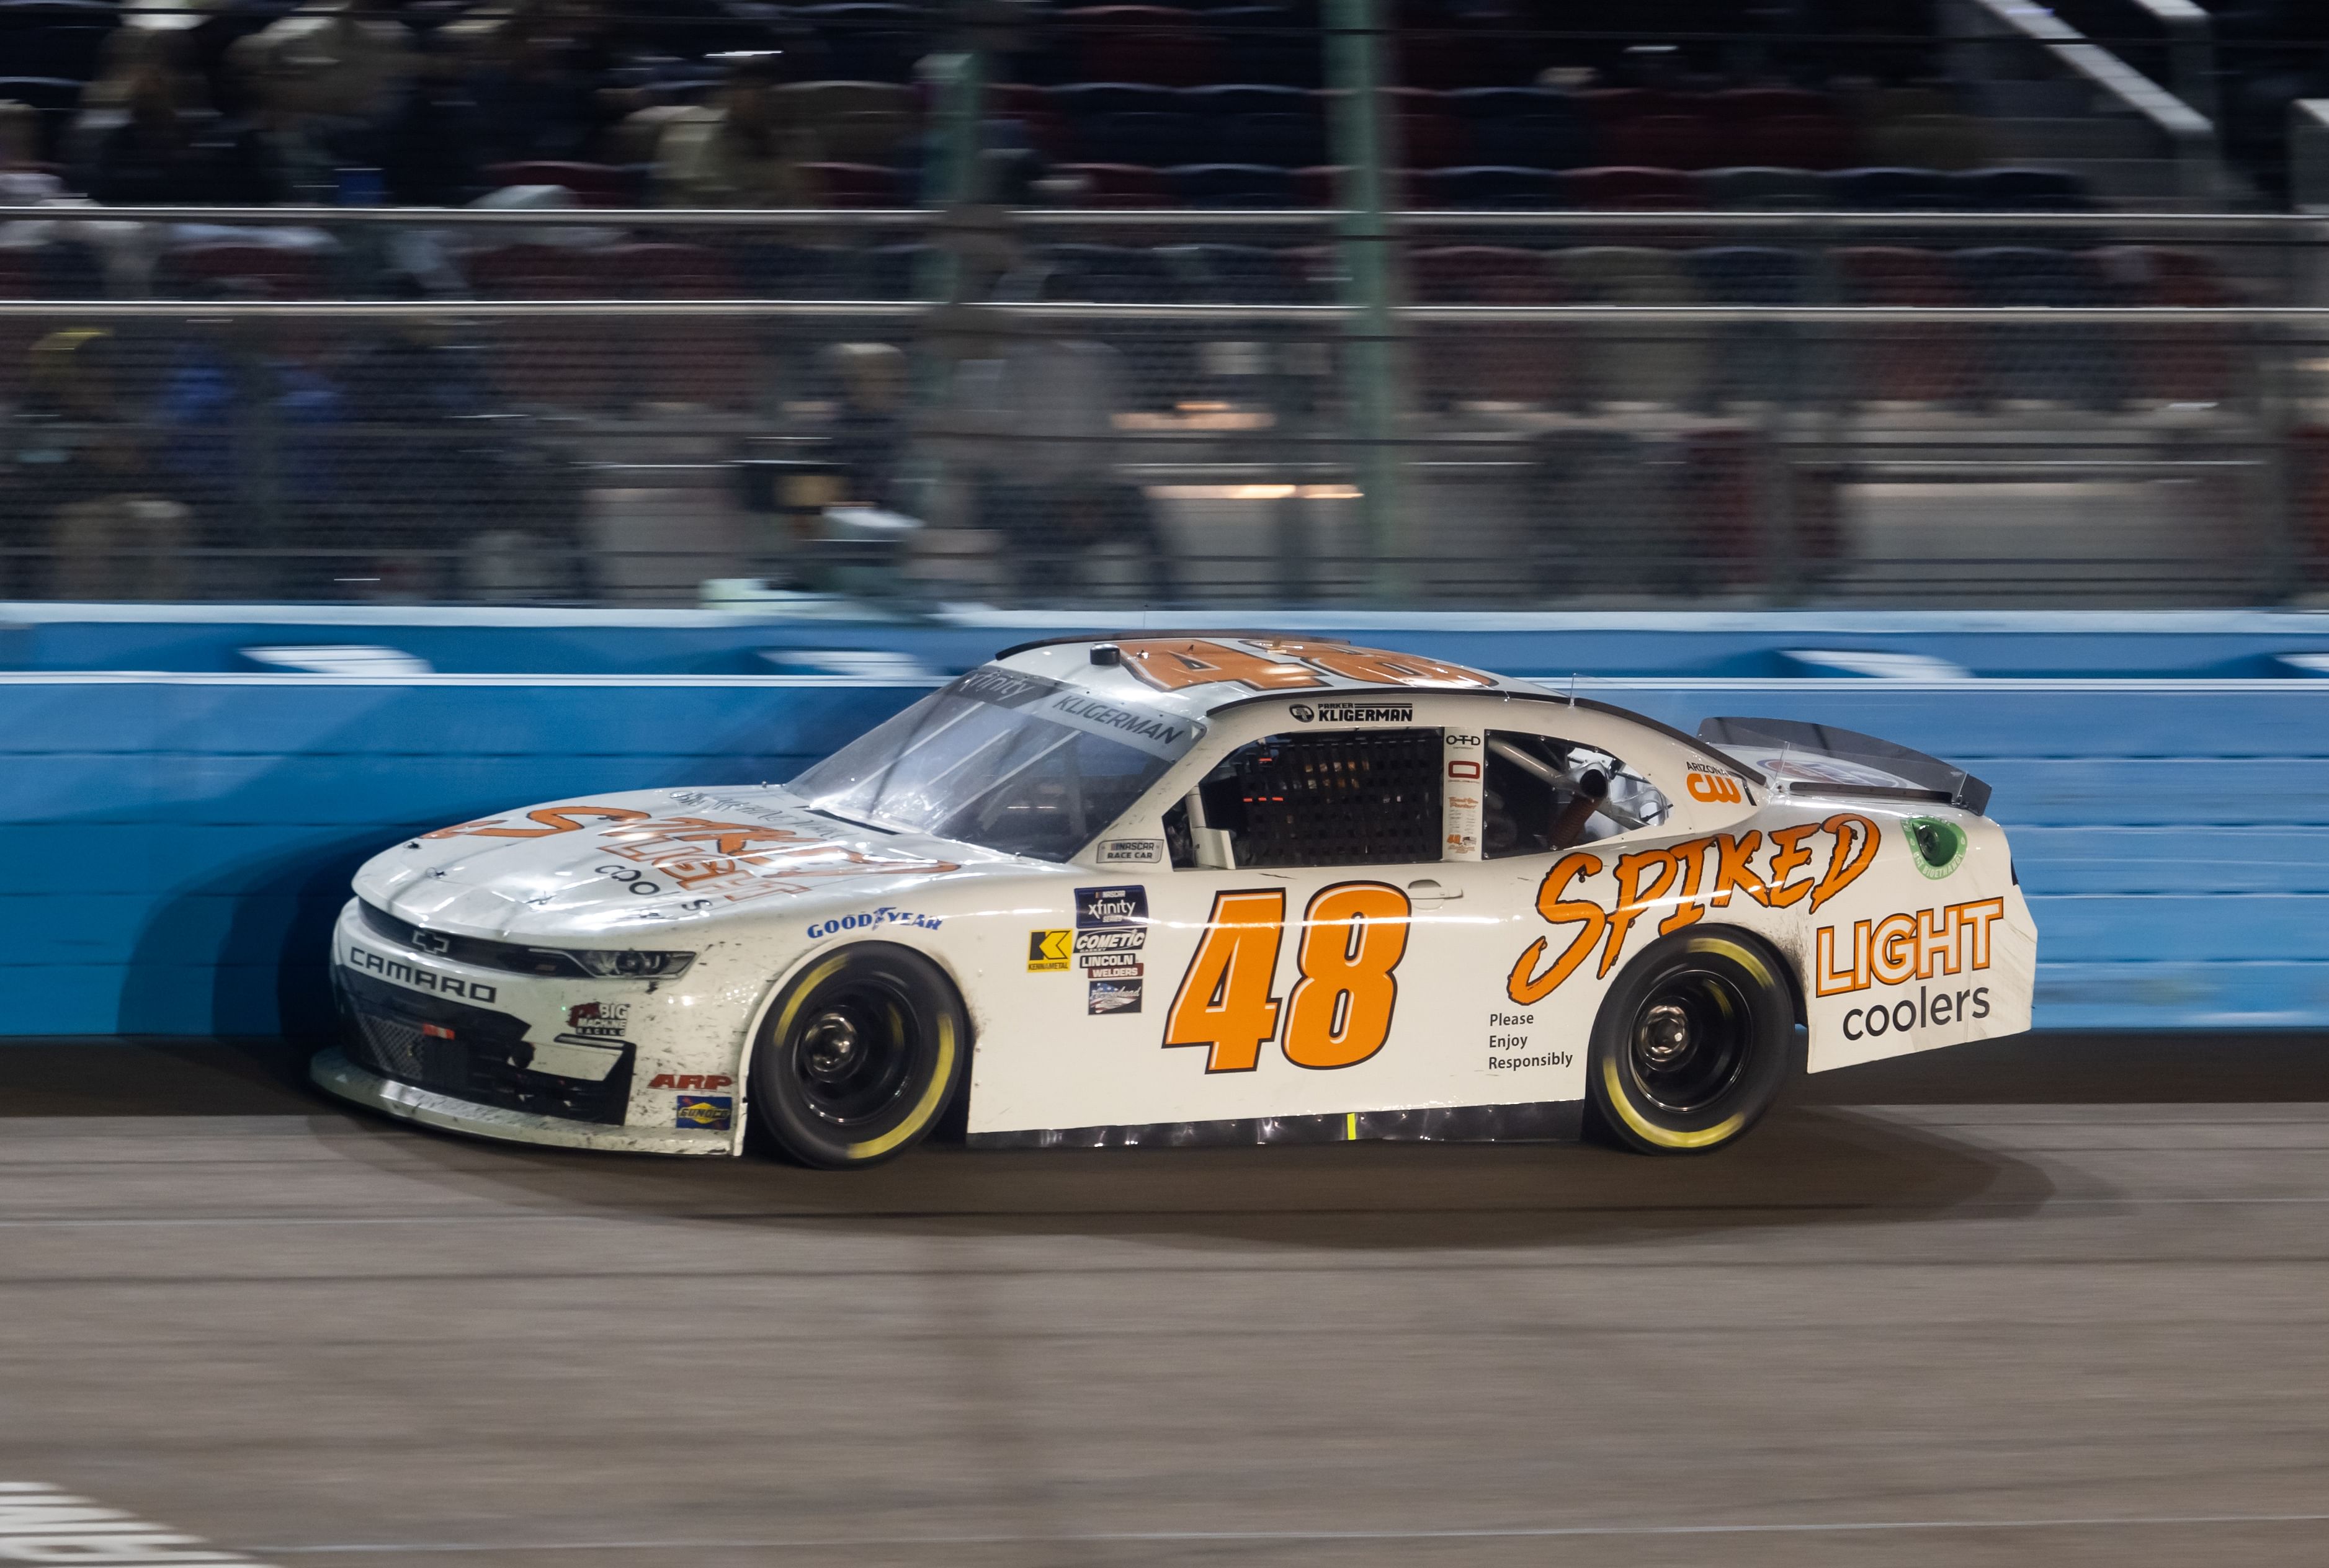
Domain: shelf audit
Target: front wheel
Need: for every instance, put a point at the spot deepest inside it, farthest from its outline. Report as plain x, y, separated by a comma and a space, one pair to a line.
859, 1056
1692, 1045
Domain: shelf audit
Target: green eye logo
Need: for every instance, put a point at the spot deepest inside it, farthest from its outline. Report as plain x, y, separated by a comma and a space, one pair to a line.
1939, 848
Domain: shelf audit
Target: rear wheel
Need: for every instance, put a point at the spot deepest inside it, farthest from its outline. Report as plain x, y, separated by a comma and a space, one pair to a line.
859, 1056
1692, 1045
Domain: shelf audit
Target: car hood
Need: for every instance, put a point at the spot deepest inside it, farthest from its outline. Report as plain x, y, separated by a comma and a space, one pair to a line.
623, 866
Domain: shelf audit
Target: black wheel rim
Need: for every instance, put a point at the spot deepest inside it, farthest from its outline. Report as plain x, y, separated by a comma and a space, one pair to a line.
1689, 1042
853, 1051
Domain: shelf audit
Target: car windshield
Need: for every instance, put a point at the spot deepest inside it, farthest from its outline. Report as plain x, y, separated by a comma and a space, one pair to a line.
1005, 761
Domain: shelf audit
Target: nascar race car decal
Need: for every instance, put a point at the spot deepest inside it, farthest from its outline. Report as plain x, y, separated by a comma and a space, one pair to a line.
1183, 890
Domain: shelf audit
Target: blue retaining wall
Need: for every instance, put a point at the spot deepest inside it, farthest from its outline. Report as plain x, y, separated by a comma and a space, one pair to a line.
178, 844
195, 638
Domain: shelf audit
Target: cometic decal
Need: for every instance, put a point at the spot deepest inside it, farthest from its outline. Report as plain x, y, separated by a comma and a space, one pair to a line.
1688, 879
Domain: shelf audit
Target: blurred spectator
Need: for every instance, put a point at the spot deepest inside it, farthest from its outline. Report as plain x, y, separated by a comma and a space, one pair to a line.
90, 500
420, 445
539, 87
249, 437
429, 146
23, 182
157, 154
869, 429
1055, 492
749, 151
343, 58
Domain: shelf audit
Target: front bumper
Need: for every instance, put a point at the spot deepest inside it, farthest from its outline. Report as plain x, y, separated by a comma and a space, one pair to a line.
336, 1075
596, 1064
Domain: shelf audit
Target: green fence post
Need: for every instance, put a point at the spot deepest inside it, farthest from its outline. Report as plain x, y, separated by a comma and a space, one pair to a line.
1354, 31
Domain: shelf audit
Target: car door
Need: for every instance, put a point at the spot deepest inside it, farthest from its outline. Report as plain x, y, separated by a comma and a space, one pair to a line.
1318, 956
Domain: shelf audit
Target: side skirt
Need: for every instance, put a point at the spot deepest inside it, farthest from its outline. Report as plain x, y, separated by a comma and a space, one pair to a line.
1538, 1122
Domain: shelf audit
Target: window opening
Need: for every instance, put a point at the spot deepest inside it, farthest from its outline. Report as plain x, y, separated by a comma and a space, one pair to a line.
1542, 793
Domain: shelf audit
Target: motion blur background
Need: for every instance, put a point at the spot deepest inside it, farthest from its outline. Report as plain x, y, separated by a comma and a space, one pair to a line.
411, 410
1446, 303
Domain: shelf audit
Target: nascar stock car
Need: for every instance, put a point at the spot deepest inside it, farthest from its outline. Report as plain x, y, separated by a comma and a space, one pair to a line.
1181, 889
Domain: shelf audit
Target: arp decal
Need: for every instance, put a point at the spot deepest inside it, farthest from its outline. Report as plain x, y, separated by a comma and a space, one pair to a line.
1927, 944
709, 1112
1692, 877
1339, 1013
711, 1082
1049, 950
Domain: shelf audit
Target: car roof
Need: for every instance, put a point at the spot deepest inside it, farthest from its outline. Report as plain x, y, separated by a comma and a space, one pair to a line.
1198, 673
1195, 674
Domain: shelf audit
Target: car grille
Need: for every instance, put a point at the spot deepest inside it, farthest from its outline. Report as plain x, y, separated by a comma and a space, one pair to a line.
475, 951
479, 1055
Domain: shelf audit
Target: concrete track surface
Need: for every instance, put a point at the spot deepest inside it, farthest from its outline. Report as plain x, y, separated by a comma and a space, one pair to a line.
2060, 1300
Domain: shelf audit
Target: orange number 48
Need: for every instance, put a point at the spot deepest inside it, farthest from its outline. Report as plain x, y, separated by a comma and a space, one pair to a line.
1353, 935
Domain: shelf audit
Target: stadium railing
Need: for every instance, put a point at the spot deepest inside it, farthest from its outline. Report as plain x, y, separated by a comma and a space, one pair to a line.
1057, 407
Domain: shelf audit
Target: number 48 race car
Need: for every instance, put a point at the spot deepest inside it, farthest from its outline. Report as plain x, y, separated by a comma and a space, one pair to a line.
1192, 890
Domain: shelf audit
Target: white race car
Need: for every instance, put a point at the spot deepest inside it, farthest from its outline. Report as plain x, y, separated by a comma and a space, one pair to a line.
1192, 890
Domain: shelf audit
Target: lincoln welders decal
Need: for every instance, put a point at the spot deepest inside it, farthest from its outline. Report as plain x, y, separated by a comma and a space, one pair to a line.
1692, 876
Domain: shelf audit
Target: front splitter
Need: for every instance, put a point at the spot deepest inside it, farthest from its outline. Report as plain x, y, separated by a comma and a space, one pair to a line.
334, 1074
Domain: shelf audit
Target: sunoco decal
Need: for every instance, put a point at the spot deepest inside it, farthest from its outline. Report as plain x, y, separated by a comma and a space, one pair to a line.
709, 1113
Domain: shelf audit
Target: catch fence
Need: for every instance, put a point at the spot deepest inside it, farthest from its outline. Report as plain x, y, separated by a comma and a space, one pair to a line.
1146, 406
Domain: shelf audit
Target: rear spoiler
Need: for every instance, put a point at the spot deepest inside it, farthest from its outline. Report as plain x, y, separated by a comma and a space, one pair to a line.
1820, 759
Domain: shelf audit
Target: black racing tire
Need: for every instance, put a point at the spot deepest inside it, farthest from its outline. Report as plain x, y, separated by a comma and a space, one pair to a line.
1692, 1045
859, 1056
